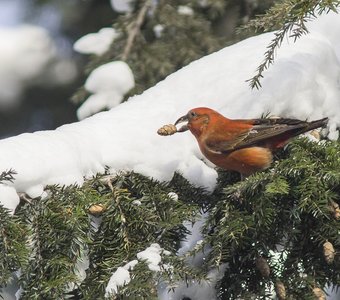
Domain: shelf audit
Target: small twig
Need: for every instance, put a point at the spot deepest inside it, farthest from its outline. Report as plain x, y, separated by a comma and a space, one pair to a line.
25, 197
107, 180
135, 29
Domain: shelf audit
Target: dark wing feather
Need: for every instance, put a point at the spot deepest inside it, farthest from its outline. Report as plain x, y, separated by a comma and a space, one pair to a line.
263, 129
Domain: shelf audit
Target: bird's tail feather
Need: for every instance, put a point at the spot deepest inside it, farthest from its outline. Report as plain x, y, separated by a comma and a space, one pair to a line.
316, 124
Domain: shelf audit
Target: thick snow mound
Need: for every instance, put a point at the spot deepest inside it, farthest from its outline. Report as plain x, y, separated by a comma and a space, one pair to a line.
303, 83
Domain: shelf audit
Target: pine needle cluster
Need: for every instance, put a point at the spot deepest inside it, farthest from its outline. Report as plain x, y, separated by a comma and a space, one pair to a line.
289, 17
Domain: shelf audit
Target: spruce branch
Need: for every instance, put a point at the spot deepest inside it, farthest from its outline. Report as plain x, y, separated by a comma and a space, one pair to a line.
7, 175
290, 17
135, 28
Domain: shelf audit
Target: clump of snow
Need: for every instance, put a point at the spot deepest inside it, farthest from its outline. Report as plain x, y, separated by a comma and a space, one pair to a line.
119, 278
12, 290
25, 52
152, 256
115, 75
194, 290
96, 43
203, 3
185, 10
122, 6
28, 57
302, 83
9, 197
136, 202
108, 83
333, 292
173, 196
158, 30
82, 265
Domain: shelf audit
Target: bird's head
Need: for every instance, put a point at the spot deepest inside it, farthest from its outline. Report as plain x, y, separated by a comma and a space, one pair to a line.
196, 119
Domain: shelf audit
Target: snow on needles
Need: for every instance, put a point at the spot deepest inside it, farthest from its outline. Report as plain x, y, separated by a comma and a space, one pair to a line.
121, 277
304, 82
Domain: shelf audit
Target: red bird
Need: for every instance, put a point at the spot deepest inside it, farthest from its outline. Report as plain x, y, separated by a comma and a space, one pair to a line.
245, 146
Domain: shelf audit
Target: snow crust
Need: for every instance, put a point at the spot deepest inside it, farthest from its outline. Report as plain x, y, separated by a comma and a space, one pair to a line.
96, 43
303, 83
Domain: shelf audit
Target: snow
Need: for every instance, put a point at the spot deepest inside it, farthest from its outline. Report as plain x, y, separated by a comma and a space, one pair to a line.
115, 75
122, 6
333, 293
120, 278
9, 197
173, 196
303, 83
25, 52
185, 10
152, 256
108, 83
158, 30
28, 57
194, 290
96, 43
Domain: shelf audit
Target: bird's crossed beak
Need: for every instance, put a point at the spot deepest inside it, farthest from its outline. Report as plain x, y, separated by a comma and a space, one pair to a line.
185, 126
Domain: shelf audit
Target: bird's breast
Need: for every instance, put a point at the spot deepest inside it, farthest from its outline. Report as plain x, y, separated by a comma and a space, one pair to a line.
245, 161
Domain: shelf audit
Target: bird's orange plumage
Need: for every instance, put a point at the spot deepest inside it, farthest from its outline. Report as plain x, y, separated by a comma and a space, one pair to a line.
245, 146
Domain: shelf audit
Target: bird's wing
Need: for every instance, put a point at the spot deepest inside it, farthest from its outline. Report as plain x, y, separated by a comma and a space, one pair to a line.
261, 131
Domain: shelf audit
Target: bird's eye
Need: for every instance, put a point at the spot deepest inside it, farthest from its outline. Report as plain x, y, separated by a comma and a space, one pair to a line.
192, 114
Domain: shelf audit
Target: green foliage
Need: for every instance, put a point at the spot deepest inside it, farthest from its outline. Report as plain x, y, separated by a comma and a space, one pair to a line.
139, 212
183, 38
289, 17
282, 215
13, 240
58, 228
49, 237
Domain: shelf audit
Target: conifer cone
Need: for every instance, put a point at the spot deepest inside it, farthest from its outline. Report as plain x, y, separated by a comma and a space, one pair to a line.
262, 266
319, 293
97, 209
328, 252
169, 129
335, 210
280, 290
